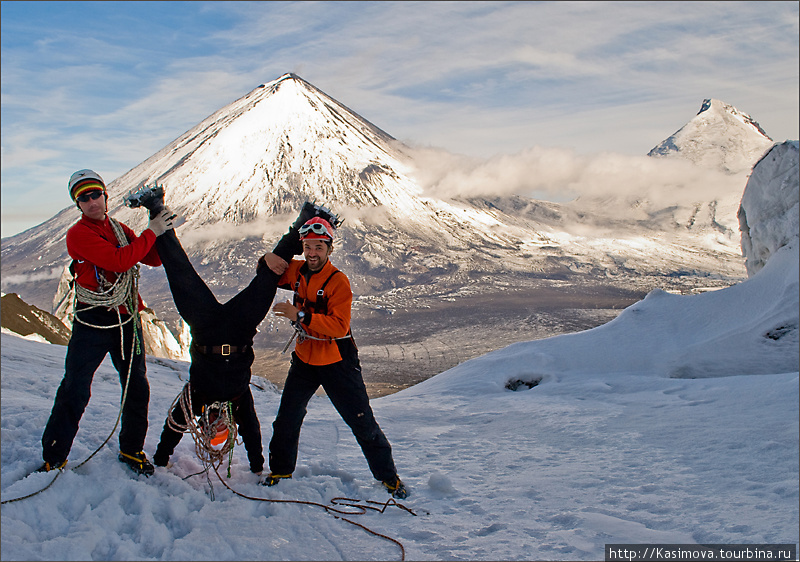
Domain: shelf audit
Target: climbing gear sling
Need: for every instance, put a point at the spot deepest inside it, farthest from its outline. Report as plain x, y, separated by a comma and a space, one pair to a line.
318, 306
215, 434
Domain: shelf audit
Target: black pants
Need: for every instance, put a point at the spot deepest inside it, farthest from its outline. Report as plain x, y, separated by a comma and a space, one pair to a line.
212, 322
344, 386
214, 377
87, 348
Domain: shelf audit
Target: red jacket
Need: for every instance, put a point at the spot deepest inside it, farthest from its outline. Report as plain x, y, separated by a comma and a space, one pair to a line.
95, 249
333, 322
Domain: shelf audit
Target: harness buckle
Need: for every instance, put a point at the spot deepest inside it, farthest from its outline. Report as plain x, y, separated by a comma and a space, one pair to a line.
226, 349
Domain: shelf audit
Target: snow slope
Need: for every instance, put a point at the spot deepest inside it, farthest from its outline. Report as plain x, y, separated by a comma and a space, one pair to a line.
605, 449
677, 422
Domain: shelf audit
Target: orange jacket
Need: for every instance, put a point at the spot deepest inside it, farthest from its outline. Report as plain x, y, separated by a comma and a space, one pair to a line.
95, 249
325, 322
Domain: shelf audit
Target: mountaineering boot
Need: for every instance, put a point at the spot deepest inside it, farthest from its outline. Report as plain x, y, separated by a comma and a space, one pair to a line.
273, 479
160, 458
151, 198
311, 210
47, 467
137, 462
396, 488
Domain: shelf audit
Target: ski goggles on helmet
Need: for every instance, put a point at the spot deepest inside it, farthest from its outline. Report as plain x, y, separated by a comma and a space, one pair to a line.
316, 228
89, 195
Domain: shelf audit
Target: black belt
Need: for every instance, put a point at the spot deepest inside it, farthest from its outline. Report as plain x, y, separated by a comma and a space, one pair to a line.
224, 349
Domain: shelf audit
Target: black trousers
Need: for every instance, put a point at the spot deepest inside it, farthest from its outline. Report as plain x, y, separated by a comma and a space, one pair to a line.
87, 348
214, 377
344, 386
212, 322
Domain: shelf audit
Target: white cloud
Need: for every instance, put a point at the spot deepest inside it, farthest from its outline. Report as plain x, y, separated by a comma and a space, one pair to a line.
270, 230
561, 174
52, 273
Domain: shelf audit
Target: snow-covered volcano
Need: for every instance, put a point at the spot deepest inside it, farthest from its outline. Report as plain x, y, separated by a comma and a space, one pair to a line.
269, 151
719, 136
241, 175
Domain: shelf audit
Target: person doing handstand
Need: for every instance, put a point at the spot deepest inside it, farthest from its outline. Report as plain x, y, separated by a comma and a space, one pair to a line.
222, 334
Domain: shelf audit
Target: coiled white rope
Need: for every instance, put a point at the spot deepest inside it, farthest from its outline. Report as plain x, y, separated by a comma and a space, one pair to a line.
123, 292
204, 432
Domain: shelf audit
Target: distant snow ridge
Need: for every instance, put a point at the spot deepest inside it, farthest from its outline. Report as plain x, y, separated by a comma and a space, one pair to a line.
720, 137
768, 215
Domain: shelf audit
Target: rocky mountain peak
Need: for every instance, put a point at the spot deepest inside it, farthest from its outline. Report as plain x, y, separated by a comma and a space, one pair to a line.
724, 109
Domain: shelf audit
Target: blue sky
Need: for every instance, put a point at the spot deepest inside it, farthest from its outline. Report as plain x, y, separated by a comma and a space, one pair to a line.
105, 85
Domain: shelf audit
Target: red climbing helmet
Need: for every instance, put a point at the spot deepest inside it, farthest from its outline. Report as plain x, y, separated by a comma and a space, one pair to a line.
316, 229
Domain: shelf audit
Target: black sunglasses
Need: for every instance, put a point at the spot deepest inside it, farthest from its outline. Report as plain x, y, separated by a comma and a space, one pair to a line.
84, 197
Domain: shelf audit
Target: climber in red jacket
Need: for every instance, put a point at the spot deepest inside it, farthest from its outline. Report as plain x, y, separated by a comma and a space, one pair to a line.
105, 255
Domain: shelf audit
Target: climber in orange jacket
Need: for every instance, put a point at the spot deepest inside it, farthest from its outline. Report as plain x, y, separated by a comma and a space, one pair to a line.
325, 355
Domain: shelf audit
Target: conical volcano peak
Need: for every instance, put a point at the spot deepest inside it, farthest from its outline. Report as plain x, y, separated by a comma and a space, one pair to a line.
719, 137
723, 110
289, 77
264, 154
295, 77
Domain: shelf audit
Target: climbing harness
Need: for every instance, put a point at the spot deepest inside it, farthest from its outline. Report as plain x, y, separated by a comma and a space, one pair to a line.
301, 334
319, 306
